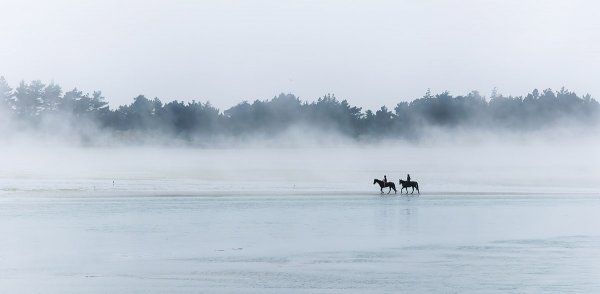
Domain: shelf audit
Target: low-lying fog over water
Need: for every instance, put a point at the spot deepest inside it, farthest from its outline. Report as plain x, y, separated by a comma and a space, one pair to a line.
549, 165
491, 217
233, 146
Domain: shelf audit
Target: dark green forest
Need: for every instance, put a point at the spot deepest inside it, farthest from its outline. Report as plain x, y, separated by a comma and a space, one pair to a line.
36, 105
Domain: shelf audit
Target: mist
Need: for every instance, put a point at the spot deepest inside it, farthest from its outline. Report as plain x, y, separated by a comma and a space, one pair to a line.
480, 166
73, 141
44, 112
299, 146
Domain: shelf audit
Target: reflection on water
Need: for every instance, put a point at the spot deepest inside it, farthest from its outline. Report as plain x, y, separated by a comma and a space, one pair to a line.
322, 243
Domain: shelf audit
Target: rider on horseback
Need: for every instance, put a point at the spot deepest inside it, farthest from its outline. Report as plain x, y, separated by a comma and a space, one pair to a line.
384, 180
408, 184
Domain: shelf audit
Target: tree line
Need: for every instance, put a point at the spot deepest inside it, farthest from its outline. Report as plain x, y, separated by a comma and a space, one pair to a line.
36, 104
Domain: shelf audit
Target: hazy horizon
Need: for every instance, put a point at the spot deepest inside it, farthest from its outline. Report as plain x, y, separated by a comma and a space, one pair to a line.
371, 53
103, 190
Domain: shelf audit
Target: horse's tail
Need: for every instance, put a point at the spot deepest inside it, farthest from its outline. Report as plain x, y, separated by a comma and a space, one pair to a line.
417, 186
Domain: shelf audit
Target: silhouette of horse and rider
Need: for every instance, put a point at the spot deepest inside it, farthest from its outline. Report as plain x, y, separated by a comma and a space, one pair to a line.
385, 184
405, 185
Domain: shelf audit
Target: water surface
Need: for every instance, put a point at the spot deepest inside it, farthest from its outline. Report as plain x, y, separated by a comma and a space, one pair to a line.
301, 243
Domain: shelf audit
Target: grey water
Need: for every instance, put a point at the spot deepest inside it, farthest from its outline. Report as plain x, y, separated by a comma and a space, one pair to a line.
301, 243
296, 221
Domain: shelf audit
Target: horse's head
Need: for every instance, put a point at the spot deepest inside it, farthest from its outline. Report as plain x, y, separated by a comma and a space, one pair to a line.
374, 181
401, 181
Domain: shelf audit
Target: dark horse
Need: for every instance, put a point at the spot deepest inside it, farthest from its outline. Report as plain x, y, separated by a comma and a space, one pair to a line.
406, 184
386, 185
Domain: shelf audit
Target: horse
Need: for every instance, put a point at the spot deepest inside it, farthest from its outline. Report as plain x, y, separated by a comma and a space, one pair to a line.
390, 185
412, 184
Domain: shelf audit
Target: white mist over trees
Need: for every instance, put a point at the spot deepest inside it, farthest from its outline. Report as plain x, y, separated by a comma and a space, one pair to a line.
45, 107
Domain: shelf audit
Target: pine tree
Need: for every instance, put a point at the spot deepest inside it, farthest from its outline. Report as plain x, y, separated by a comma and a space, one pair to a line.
6, 94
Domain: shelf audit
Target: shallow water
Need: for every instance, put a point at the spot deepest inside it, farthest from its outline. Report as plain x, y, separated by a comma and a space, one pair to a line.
301, 243
300, 220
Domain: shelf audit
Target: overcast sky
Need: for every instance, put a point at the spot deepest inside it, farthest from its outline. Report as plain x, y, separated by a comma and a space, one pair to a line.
369, 52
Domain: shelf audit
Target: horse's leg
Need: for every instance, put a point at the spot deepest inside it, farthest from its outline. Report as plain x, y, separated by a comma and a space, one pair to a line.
413, 190
381, 189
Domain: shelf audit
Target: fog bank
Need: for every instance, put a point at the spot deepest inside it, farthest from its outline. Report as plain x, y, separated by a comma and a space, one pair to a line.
492, 166
46, 114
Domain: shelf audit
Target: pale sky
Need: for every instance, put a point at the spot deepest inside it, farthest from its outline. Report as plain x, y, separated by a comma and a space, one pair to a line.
371, 53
